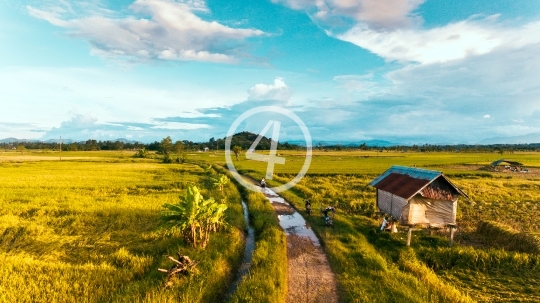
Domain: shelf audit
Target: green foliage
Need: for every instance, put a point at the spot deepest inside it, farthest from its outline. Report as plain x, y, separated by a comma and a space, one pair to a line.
141, 153
178, 147
236, 150
166, 146
194, 217
220, 182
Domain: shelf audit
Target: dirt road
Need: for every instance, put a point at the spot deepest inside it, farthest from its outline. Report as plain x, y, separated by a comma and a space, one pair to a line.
310, 276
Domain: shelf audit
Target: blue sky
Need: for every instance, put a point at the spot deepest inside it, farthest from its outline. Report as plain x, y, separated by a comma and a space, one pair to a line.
408, 71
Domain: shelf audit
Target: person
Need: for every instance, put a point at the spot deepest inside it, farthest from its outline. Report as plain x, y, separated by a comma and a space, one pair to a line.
326, 216
308, 207
384, 223
263, 183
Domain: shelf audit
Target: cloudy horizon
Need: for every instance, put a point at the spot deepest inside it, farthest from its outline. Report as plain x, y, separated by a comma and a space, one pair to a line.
404, 71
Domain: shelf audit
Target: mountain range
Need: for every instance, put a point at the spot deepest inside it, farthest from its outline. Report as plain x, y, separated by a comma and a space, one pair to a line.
529, 138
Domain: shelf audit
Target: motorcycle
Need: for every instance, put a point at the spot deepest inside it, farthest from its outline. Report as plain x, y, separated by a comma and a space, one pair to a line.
329, 221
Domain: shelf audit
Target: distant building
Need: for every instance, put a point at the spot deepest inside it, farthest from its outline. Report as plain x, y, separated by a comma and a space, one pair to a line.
415, 196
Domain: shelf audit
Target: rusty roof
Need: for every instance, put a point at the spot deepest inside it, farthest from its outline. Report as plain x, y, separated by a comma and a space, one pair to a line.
406, 182
413, 172
401, 185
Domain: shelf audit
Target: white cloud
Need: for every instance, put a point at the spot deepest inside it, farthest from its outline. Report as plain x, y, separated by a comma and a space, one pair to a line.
451, 42
487, 116
179, 126
386, 14
168, 30
392, 30
356, 82
278, 91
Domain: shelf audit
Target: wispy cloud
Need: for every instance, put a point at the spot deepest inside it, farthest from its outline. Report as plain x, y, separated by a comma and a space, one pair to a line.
87, 126
392, 30
450, 42
389, 14
157, 29
356, 83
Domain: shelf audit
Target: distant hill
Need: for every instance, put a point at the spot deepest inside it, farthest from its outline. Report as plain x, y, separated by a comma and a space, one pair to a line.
530, 138
12, 140
371, 143
245, 139
65, 141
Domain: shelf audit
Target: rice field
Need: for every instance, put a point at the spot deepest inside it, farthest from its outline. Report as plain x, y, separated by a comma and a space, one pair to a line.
373, 266
87, 229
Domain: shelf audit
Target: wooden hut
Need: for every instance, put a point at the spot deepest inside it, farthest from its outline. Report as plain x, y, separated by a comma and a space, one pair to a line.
415, 196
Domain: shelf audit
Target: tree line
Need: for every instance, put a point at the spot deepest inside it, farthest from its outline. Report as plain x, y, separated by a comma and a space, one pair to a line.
244, 140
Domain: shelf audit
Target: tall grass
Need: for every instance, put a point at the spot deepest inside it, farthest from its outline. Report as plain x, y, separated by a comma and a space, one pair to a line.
90, 232
444, 258
498, 235
267, 277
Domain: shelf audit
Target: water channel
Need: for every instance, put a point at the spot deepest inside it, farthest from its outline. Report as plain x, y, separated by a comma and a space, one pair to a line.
248, 252
290, 220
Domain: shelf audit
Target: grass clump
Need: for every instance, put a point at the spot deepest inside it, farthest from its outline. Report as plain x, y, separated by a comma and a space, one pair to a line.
501, 236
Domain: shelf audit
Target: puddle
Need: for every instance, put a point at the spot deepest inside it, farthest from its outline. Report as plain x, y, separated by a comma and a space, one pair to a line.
292, 223
248, 253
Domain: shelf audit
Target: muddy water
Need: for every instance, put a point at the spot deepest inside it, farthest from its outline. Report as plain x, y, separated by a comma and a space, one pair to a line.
248, 253
293, 222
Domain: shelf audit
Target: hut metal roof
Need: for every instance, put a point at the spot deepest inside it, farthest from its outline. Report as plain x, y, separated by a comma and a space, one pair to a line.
413, 172
498, 162
406, 182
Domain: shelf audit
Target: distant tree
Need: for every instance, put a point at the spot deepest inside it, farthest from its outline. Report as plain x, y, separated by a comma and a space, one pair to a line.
142, 153
236, 150
21, 148
178, 147
91, 145
165, 148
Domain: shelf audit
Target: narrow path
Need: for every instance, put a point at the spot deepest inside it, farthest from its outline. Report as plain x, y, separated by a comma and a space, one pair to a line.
310, 277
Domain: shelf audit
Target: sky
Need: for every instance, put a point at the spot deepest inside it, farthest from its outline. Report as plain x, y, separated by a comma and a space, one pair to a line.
405, 71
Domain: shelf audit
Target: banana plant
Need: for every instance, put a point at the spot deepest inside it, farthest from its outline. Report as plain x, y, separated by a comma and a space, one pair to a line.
221, 182
194, 217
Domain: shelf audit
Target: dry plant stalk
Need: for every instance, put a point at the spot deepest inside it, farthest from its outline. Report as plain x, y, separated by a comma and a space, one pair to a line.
184, 265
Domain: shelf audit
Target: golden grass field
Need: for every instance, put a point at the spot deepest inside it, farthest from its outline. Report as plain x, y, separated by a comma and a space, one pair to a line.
86, 228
